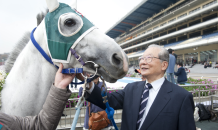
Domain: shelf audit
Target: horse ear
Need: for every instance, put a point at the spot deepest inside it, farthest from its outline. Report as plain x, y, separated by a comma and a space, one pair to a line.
73, 4
52, 5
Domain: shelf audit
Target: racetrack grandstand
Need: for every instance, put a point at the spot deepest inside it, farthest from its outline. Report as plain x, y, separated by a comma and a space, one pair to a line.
190, 27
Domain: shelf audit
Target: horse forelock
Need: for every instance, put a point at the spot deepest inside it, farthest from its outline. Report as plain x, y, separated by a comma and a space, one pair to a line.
21, 44
41, 16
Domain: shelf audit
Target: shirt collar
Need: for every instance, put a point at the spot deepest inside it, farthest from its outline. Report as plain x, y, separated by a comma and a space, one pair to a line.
157, 83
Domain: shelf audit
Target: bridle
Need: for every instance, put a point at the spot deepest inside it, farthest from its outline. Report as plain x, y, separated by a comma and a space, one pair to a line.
68, 70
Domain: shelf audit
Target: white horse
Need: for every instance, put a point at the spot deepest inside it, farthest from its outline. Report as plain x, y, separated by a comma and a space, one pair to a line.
30, 79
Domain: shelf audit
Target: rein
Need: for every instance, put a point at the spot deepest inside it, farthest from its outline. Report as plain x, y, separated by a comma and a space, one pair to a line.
109, 110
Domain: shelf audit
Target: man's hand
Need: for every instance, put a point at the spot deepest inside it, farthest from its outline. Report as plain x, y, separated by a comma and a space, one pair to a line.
63, 80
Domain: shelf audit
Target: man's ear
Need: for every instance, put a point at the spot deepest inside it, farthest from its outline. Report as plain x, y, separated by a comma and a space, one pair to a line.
164, 65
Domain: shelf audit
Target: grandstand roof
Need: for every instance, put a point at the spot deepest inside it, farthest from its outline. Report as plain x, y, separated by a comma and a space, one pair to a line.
140, 13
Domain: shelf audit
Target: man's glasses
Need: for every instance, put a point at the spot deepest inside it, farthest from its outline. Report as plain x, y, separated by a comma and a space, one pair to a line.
148, 59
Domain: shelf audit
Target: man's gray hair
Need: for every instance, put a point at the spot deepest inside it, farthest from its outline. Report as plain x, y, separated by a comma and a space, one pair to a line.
163, 54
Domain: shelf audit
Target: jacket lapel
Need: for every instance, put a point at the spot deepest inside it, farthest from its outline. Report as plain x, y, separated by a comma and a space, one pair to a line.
159, 103
137, 94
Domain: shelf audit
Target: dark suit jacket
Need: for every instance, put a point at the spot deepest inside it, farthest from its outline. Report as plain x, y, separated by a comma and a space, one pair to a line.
172, 108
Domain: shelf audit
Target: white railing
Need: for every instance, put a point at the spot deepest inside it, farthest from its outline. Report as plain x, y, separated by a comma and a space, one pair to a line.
155, 20
199, 96
202, 96
214, 5
214, 78
191, 28
66, 121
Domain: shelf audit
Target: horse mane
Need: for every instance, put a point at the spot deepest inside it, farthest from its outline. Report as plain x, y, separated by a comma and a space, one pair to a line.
20, 45
16, 51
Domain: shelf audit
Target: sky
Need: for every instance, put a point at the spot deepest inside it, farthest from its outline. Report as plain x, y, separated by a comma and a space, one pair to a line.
19, 16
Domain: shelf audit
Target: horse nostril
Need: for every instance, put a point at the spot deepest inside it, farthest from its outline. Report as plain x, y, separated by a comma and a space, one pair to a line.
116, 59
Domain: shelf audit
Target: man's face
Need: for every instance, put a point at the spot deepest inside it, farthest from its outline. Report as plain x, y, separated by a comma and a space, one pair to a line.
155, 67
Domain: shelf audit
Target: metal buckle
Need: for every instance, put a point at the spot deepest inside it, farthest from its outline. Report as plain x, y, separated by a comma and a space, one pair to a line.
105, 99
78, 58
69, 71
96, 69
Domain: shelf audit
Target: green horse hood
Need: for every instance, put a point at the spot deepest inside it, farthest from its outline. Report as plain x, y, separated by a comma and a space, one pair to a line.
59, 44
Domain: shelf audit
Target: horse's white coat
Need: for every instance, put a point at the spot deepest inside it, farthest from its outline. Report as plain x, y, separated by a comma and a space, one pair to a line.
31, 77
29, 81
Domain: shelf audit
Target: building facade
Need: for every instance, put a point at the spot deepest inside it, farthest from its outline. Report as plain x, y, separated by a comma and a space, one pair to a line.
190, 27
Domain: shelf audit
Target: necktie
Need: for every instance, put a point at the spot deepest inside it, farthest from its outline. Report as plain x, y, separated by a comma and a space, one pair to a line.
144, 101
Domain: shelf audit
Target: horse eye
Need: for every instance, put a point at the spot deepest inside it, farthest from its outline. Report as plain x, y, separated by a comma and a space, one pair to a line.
69, 22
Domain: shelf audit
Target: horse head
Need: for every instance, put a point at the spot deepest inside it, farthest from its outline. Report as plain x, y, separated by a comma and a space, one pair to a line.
65, 28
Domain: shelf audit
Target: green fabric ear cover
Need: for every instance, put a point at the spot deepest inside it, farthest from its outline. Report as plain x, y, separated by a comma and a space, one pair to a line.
58, 44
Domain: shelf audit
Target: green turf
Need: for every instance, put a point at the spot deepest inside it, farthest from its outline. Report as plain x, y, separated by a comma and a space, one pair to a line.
207, 125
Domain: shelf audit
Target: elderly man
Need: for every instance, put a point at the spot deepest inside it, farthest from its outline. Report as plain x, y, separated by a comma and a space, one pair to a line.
154, 104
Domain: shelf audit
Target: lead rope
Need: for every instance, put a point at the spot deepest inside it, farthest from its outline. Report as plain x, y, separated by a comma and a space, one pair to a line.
78, 106
109, 110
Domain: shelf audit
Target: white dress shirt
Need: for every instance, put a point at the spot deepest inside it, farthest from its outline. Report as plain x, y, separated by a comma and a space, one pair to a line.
152, 95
